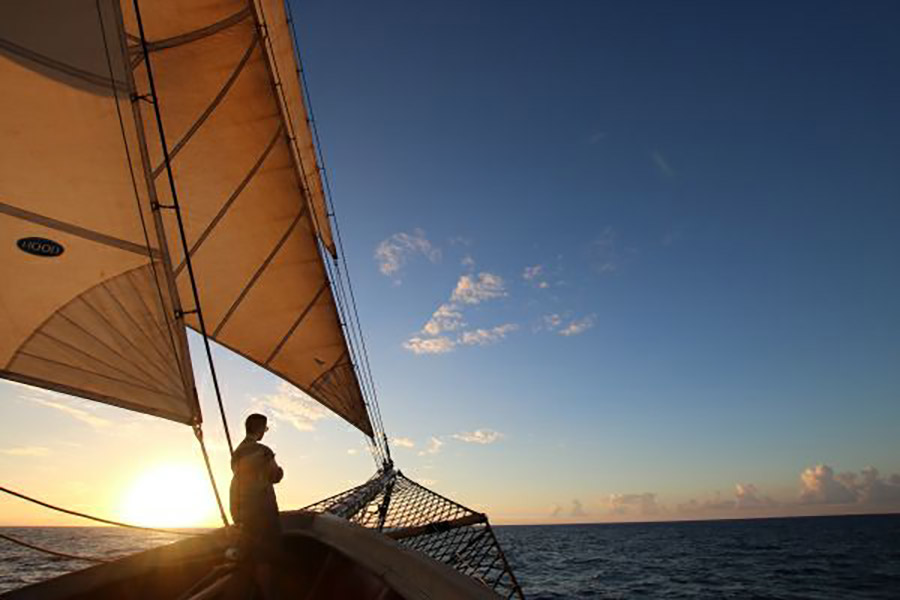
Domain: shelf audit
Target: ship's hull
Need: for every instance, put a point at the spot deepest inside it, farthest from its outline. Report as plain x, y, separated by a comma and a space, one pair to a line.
324, 557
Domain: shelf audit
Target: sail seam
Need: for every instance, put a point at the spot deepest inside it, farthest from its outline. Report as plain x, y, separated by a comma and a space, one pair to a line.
77, 350
137, 326
62, 67
95, 373
237, 192
209, 109
87, 234
83, 393
297, 322
165, 382
259, 272
197, 34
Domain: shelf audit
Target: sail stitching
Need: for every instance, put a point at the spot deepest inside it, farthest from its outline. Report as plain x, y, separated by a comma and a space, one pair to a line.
151, 341
259, 272
90, 356
209, 109
234, 195
197, 34
61, 67
300, 318
113, 329
82, 232
91, 372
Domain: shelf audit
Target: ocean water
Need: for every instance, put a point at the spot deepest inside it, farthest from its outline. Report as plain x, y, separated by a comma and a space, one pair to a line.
801, 558
809, 558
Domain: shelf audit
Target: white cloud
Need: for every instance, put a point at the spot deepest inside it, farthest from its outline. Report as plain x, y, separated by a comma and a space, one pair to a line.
479, 436
578, 326
352, 451
486, 286
820, 485
543, 285
483, 337
293, 406
402, 442
746, 495
434, 446
438, 345
446, 318
394, 252
468, 262
643, 504
26, 451
662, 164
532, 272
449, 317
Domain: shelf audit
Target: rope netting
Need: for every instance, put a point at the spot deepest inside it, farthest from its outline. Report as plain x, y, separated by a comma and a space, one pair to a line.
423, 520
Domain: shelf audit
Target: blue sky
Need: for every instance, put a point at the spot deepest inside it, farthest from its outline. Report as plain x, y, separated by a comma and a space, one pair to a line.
703, 195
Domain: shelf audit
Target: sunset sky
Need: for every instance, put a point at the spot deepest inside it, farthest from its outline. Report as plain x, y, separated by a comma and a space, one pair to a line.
614, 261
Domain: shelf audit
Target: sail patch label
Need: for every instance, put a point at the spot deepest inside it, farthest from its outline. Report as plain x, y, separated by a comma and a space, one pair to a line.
40, 246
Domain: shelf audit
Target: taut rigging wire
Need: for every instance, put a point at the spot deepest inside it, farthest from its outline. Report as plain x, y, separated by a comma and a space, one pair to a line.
75, 513
365, 363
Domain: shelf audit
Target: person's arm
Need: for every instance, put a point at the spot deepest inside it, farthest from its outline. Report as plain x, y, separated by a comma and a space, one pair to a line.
275, 473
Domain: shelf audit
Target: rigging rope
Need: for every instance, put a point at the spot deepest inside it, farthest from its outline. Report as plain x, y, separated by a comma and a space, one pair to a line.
92, 559
380, 451
91, 517
177, 209
363, 357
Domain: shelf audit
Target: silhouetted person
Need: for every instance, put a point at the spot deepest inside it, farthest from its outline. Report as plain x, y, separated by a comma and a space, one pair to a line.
253, 504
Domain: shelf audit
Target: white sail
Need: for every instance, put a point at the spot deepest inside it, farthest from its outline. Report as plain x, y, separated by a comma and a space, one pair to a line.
243, 164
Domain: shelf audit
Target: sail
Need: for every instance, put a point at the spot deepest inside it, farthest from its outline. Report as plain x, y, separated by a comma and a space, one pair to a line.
243, 163
86, 307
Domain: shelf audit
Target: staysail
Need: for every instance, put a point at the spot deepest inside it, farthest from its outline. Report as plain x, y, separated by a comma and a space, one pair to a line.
244, 168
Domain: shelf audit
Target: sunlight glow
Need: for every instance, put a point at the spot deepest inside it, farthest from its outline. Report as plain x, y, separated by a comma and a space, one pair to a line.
170, 495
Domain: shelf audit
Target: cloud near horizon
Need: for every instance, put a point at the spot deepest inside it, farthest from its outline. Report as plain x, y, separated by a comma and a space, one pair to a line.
394, 252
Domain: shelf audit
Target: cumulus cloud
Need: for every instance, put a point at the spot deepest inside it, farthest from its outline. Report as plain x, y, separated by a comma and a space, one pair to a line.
26, 451
434, 446
479, 436
578, 326
475, 290
392, 253
437, 345
747, 496
448, 317
402, 442
483, 337
820, 485
293, 406
627, 504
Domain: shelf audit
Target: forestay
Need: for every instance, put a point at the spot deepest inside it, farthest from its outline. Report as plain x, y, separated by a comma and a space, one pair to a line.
247, 182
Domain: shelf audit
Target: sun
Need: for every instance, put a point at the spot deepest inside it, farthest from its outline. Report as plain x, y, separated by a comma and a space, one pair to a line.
170, 495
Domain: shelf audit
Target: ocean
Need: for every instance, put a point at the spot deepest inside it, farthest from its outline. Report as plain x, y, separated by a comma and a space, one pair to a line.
801, 558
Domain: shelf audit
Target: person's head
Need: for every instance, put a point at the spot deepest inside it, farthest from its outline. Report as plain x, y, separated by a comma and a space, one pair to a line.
256, 426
